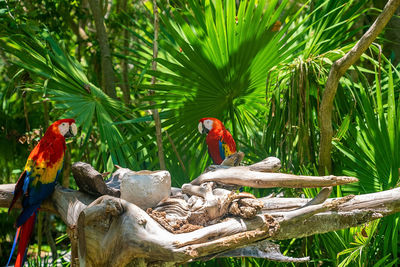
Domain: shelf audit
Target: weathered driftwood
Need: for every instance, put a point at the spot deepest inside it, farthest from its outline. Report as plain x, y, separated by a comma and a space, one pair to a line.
113, 232
91, 181
144, 188
260, 175
200, 222
263, 249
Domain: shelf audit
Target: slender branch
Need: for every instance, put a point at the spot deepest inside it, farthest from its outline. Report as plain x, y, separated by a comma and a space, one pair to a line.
243, 176
125, 85
28, 126
263, 249
338, 69
156, 115
176, 152
321, 197
125, 70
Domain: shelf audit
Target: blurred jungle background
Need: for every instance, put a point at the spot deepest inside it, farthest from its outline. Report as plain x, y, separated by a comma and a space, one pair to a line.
260, 66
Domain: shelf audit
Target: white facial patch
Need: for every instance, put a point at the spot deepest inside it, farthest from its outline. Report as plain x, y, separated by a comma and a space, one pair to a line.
208, 124
64, 128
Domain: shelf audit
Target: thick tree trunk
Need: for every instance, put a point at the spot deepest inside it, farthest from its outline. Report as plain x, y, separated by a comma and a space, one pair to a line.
106, 60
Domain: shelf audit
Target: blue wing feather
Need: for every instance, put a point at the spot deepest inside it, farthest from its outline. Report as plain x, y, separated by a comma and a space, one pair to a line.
36, 194
26, 183
25, 214
221, 150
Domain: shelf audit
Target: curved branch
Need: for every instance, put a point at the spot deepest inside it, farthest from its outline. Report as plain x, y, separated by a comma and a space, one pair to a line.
338, 69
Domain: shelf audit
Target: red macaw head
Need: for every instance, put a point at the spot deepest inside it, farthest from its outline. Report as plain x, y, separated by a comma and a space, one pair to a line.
64, 127
208, 124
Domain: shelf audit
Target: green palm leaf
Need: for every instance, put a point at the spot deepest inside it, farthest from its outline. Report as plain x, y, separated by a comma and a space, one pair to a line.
370, 148
226, 53
67, 85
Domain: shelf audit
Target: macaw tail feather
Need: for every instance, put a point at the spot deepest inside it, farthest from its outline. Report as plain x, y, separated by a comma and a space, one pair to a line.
14, 245
24, 233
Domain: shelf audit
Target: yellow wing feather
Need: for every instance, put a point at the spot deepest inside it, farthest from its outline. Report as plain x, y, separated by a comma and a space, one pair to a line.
40, 172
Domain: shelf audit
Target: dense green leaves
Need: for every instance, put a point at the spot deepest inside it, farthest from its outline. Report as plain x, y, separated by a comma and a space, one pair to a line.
370, 152
215, 64
296, 87
222, 58
64, 80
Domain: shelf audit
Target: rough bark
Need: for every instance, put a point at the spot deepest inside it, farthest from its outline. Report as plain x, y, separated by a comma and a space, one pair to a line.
107, 71
91, 181
337, 70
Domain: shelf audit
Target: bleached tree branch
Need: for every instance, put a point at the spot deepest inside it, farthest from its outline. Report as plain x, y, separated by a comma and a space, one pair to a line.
199, 222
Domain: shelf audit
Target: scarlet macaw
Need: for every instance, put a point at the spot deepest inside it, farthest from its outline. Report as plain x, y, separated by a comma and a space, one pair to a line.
38, 180
219, 141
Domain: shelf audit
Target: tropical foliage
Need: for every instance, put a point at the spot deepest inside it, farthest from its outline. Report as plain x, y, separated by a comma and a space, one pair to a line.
259, 66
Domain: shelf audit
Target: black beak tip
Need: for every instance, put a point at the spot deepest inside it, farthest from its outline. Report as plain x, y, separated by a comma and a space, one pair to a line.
69, 133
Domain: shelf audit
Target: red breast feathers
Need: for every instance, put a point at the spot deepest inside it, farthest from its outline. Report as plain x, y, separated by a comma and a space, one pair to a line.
51, 147
219, 141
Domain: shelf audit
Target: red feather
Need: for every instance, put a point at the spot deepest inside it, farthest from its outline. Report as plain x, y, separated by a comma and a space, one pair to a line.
218, 134
52, 146
37, 183
25, 235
